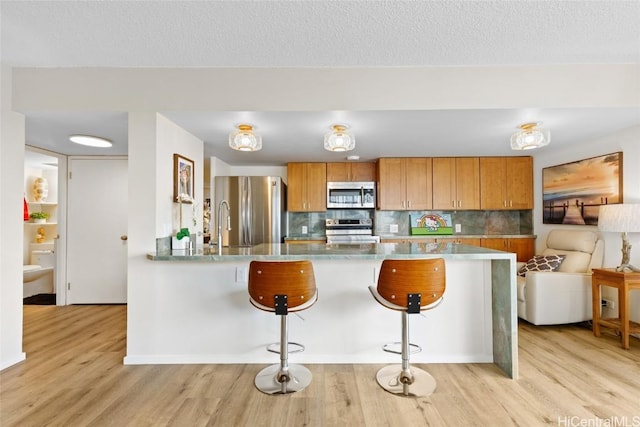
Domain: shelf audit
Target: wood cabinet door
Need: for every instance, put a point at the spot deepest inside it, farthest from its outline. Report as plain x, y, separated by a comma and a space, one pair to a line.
471, 241
296, 184
497, 243
523, 247
468, 182
493, 175
418, 183
444, 183
391, 184
506, 183
363, 172
316, 180
519, 182
338, 172
351, 172
306, 187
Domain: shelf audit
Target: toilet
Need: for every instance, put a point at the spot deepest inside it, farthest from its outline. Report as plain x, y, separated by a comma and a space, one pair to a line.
43, 258
37, 276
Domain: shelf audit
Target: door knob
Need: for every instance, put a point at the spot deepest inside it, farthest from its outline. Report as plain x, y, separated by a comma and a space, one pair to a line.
123, 237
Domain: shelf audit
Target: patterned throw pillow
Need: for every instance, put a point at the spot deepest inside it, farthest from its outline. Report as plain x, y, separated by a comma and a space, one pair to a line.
542, 263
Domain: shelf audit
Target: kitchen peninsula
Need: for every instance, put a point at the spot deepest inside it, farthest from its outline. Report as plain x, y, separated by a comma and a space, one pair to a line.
202, 313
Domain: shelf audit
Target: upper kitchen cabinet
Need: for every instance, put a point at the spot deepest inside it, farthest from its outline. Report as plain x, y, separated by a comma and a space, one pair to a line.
506, 183
307, 187
351, 172
456, 183
404, 183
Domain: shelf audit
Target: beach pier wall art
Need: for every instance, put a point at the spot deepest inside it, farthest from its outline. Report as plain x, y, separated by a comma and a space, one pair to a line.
572, 193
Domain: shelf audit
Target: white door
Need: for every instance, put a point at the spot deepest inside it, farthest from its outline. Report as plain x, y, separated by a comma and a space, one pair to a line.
97, 231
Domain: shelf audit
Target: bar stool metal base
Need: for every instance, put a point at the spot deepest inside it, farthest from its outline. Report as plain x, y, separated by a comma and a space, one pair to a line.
266, 382
389, 379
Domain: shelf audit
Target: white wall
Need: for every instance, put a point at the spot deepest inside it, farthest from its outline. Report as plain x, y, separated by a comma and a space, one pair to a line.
152, 141
12, 139
173, 139
626, 141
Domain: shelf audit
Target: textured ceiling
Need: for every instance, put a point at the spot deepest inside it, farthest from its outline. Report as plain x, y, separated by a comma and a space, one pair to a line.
274, 34
318, 33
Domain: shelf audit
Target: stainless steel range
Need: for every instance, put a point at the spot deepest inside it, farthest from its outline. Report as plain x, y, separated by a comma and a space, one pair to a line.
343, 230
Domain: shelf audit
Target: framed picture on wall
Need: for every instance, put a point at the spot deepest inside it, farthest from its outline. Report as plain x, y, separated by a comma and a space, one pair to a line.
183, 180
573, 192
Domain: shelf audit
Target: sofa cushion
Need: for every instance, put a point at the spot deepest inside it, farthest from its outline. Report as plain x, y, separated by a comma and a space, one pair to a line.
574, 262
542, 263
572, 240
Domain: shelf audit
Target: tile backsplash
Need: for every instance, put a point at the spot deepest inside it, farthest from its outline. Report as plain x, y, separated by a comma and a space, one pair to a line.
472, 222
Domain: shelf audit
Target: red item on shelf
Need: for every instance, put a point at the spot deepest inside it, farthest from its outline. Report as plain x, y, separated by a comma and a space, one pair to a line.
26, 210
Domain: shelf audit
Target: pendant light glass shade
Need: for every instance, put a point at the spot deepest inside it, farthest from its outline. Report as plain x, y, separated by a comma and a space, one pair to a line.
339, 139
244, 139
529, 137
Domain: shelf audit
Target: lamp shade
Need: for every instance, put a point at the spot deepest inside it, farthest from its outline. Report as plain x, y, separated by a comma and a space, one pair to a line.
619, 218
339, 139
530, 136
244, 139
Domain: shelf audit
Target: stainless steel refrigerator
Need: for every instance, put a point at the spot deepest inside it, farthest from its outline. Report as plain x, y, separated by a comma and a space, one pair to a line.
256, 208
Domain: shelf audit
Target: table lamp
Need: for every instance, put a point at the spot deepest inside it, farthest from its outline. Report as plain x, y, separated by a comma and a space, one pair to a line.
621, 218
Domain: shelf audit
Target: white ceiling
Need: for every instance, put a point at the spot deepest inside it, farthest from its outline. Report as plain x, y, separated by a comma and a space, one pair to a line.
326, 34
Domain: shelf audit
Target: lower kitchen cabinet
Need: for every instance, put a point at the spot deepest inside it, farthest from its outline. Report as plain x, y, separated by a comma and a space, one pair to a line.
309, 241
523, 247
471, 241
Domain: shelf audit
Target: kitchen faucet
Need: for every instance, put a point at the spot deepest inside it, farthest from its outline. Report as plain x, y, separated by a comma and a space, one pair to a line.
220, 205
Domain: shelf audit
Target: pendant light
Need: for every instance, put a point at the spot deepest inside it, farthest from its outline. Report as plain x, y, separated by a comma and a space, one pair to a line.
530, 136
244, 139
339, 139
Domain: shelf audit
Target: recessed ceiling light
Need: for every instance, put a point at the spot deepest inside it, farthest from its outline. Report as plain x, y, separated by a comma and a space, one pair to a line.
91, 141
353, 158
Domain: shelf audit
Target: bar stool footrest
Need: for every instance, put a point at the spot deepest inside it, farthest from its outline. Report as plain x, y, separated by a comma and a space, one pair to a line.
275, 347
391, 348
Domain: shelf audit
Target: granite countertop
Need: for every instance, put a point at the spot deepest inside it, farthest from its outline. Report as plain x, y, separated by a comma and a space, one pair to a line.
318, 251
425, 236
457, 236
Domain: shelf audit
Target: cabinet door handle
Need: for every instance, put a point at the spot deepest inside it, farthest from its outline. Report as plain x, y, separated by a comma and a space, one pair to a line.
409, 204
453, 203
124, 237
459, 203
510, 203
403, 204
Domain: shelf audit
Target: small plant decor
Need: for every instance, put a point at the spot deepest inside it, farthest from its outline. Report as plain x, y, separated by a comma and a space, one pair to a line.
184, 232
39, 215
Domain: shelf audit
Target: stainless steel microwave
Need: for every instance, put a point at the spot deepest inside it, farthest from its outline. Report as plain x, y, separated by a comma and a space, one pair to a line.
351, 195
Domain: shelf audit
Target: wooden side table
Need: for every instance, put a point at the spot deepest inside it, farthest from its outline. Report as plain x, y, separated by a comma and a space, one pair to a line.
624, 282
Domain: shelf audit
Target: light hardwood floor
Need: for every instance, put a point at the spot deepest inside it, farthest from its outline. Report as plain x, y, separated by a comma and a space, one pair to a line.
74, 376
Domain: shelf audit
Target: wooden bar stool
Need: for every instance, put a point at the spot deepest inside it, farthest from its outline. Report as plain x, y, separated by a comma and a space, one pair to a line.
408, 286
282, 287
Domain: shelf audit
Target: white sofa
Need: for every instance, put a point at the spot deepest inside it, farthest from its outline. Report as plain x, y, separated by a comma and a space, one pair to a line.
562, 296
